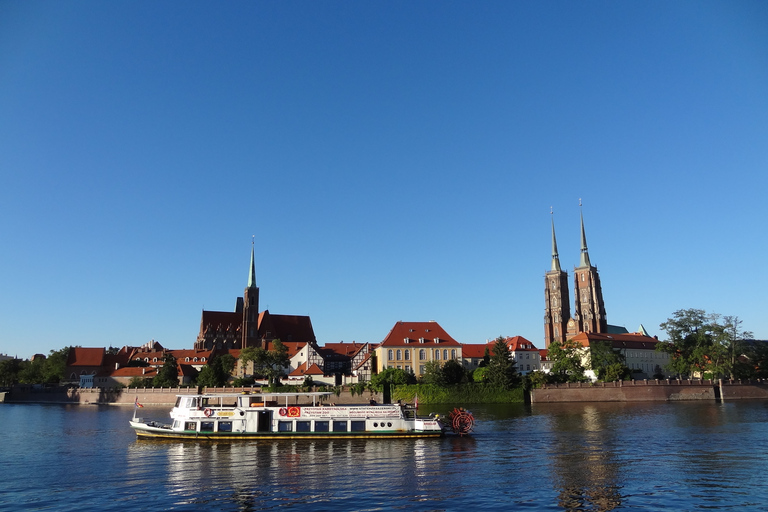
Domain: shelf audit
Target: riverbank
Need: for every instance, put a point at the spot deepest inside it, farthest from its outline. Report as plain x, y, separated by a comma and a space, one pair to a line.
651, 391
145, 396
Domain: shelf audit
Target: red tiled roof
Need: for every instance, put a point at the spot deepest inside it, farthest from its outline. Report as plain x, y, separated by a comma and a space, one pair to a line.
414, 331
81, 356
303, 370
292, 346
519, 344
629, 340
474, 350
132, 371
344, 349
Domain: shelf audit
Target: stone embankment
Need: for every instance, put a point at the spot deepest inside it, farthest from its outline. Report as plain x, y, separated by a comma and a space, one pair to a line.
145, 396
651, 391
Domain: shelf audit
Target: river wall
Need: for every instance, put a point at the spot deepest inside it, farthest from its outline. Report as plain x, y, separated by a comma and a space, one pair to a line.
145, 396
651, 391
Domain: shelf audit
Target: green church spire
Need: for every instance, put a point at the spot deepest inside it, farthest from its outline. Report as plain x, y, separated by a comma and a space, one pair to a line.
584, 263
252, 273
555, 257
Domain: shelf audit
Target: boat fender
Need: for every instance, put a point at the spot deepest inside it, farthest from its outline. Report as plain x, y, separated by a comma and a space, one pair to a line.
241, 412
207, 412
283, 411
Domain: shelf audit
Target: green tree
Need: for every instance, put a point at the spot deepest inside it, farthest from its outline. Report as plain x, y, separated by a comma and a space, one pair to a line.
566, 360
701, 343
55, 365
501, 371
433, 374
454, 373
392, 376
267, 363
217, 372
608, 363
168, 375
9, 372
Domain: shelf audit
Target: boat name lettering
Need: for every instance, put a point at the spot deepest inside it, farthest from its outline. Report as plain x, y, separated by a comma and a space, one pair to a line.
349, 412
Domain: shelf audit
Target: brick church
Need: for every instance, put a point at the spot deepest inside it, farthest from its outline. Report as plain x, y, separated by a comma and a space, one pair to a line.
589, 308
246, 326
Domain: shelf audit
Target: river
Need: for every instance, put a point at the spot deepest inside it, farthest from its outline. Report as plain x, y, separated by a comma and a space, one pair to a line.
579, 456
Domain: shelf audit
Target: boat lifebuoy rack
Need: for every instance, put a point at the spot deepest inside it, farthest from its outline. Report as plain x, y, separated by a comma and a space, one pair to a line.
207, 412
283, 411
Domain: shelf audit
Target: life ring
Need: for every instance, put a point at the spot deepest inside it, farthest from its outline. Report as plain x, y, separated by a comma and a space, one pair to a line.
207, 412
283, 411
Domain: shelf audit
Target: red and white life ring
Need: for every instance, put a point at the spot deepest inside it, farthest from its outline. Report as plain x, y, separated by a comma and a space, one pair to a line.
283, 411
207, 412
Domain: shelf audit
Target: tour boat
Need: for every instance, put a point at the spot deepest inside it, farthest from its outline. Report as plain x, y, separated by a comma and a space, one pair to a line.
220, 416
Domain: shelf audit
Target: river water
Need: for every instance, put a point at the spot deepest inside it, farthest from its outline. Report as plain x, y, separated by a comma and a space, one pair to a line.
580, 456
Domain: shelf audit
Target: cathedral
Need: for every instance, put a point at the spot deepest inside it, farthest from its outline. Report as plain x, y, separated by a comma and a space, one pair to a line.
247, 327
589, 308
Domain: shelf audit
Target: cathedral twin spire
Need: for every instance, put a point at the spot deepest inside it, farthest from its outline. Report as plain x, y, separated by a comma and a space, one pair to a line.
589, 314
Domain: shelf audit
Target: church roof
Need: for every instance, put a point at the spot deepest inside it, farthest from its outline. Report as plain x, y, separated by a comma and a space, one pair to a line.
82, 356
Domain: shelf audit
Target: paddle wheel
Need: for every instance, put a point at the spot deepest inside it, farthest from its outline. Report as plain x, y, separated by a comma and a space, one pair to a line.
462, 421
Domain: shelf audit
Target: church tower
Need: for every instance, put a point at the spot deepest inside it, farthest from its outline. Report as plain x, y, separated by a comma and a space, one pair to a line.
589, 308
250, 330
557, 306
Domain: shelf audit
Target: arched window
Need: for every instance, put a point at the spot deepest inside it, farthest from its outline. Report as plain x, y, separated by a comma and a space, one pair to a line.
422, 355
407, 355
186, 359
445, 354
391, 354
399, 355
453, 353
437, 355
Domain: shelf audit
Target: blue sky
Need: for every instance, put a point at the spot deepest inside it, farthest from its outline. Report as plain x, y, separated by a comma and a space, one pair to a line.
394, 160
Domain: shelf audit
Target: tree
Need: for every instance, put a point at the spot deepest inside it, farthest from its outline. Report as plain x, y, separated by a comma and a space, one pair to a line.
433, 374
267, 363
701, 343
217, 372
566, 360
393, 376
168, 375
501, 370
9, 372
608, 363
454, 373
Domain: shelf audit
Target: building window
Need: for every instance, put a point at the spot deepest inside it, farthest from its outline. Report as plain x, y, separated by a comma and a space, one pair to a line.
407, 355
445, 354
391, 354
453, 353
422, 355
399, 355
437, 355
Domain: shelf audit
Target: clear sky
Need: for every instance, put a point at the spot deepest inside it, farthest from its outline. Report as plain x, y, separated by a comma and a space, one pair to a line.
394, 160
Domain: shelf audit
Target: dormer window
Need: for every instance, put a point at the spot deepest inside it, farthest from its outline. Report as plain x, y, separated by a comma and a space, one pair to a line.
406, 340
421, 340
437, 340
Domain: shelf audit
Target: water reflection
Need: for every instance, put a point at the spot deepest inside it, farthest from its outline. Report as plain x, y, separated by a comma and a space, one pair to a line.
583, 460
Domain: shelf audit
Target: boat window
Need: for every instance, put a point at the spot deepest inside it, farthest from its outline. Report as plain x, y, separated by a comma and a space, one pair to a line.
225, 426
303, 426
357, 426
206, 426
190, 425
321, 426
284, 426
178, 401
191, 403
340, 426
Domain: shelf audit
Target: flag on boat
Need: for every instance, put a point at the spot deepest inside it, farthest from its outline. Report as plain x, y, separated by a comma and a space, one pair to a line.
136, 404
416, 401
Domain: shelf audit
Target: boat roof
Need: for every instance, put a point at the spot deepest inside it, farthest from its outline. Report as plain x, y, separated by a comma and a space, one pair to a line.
263, 393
